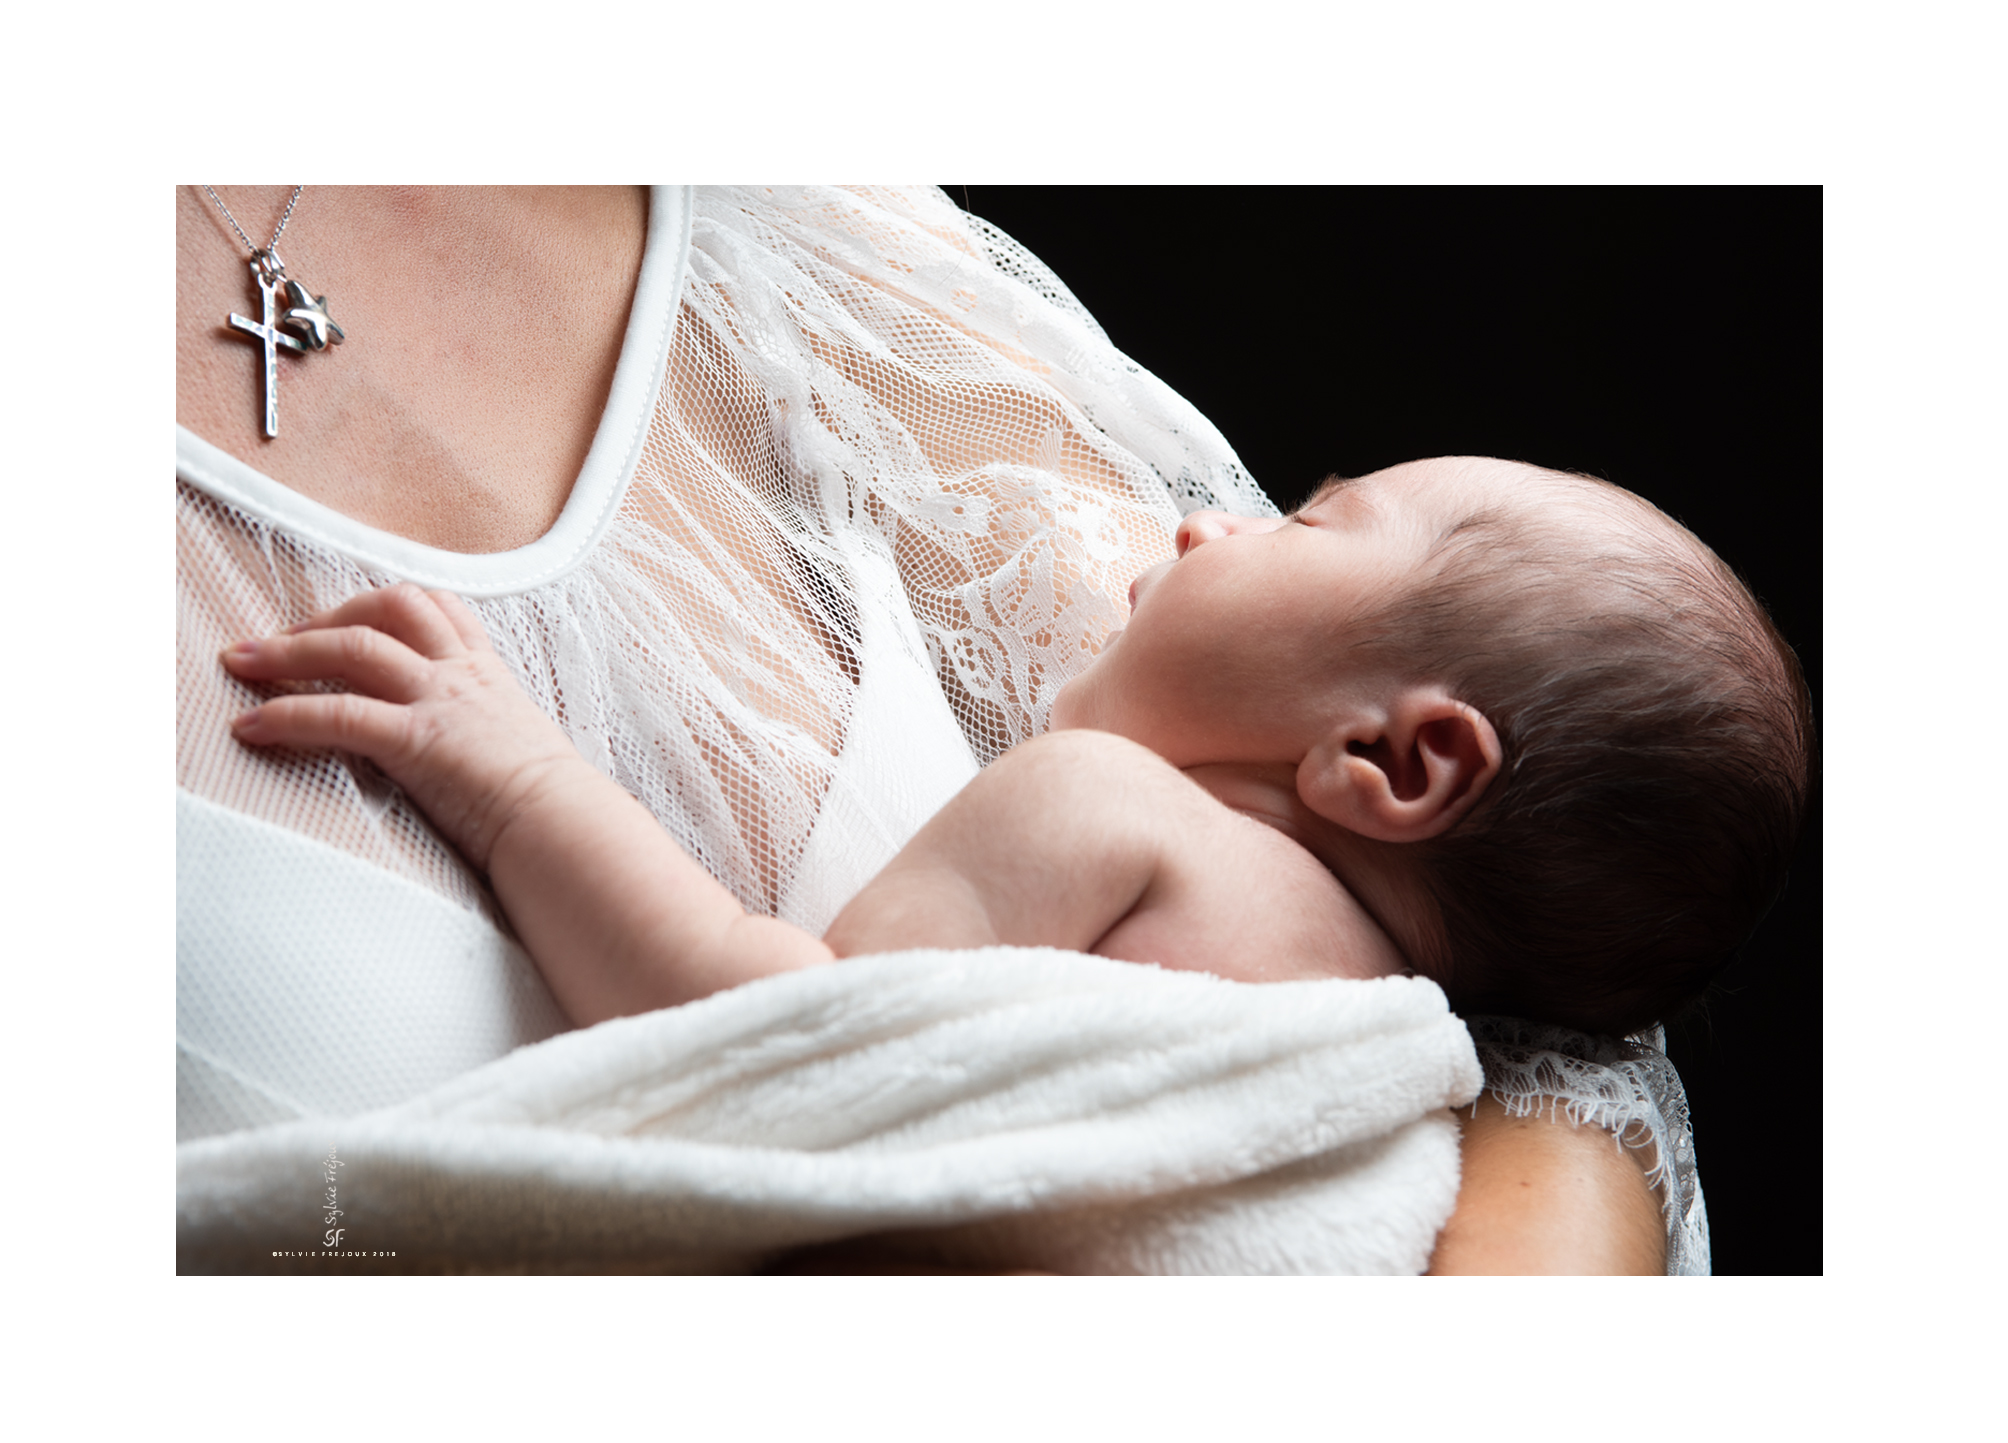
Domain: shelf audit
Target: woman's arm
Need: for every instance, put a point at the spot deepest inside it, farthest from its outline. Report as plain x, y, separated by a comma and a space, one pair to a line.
1541, 1194
621, 920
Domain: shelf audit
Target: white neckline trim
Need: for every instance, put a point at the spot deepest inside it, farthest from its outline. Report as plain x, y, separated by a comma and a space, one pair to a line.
595, 497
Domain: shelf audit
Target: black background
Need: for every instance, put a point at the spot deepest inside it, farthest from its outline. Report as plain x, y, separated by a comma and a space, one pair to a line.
1664, 339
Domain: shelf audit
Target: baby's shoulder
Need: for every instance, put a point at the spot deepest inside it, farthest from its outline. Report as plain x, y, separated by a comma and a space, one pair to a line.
1080, 753
1233, 895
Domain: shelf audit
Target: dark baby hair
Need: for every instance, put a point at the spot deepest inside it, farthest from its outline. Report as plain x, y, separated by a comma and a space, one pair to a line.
1657, 739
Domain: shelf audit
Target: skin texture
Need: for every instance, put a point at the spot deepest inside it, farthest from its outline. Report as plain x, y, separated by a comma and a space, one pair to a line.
1217, 662
1542, 1195
1233, 661
1234, 651
430, 702
483, 328
1145, 865
1088, 841
1152, 864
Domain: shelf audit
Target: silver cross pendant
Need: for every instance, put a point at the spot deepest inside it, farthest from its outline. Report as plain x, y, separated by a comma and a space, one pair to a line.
308, 313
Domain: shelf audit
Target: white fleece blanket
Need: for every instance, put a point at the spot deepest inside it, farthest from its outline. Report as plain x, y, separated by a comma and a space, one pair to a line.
1012, 1107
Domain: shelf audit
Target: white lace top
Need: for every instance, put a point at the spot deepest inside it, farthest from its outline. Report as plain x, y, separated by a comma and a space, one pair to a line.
870, 487
1625, 1085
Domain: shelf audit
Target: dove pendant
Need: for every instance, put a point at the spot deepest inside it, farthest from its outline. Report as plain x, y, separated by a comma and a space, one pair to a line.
305, 312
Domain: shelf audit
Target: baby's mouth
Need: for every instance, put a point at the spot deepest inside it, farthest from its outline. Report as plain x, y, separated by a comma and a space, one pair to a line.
1152, 576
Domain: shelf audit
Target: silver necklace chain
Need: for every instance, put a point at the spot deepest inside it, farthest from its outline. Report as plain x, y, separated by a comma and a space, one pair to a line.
277, 231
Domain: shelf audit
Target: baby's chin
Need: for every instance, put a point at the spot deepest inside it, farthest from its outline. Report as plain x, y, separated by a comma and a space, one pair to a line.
1065, 713
1074, 706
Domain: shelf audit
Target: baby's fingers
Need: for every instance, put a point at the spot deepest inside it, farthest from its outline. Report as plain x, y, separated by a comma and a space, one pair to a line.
375, 729
368, 661
460, 616
414, 617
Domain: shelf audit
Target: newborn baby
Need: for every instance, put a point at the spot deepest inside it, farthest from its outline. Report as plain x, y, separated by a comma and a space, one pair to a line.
1512, 729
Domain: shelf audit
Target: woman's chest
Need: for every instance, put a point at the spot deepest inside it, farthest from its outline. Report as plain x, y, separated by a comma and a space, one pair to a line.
477, 353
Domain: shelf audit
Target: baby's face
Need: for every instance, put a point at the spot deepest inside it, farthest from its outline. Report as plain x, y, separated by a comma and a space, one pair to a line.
1234, 649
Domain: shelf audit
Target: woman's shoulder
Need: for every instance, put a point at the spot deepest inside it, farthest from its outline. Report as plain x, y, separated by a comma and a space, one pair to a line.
1541, 1193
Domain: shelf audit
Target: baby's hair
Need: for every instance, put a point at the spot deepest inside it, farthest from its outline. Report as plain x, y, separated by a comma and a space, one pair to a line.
1657, 739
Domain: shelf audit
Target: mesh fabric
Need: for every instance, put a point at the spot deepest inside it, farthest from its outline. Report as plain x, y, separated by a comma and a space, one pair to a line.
868, 370
873, 405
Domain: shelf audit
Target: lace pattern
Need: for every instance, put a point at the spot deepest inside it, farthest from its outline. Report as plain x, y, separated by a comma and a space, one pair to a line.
1623, 1085
861, 383
853, 372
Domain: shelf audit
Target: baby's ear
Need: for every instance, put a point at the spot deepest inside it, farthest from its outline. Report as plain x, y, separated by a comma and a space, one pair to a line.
1404, 771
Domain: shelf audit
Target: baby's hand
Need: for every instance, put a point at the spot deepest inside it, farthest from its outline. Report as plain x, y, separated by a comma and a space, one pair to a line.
429, 701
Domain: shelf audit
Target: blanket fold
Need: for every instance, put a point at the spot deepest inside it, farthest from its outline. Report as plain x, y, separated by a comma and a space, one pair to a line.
1009, 1107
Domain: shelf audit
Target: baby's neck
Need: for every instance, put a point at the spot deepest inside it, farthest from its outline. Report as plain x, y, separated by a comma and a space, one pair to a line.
1379, 875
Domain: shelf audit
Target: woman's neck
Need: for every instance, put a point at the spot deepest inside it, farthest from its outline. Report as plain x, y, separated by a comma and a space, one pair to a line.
482, 331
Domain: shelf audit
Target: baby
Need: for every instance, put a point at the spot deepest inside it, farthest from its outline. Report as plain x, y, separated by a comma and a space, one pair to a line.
1512, 729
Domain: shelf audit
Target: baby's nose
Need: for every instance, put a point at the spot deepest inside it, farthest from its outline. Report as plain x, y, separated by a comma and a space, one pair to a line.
1201, 527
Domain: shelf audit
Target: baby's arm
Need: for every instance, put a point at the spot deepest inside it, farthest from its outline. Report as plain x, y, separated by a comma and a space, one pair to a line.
1051, 845
1077, 839
619, 919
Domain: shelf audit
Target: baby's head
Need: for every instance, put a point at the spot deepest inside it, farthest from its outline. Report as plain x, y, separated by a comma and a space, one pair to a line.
1588, 740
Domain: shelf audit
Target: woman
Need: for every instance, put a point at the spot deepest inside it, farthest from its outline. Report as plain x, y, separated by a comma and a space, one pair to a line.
794, 508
